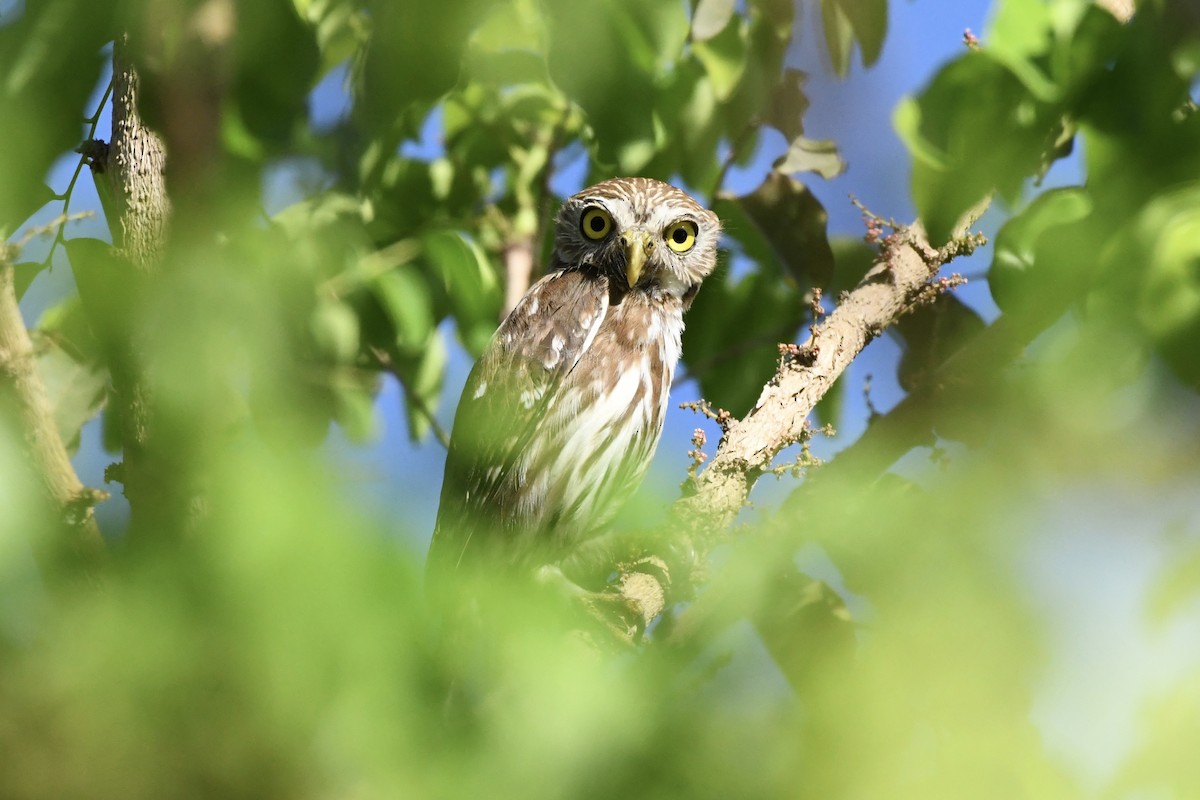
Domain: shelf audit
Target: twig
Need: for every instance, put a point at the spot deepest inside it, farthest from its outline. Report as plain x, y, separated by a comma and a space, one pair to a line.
85, 157
735, 152
411, 397
20, 379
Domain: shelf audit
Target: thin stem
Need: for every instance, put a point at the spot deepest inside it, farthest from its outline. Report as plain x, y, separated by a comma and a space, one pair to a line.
412, 398
93, 122
735, 151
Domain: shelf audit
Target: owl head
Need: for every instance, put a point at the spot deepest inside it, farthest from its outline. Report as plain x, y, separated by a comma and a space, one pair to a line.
642, 233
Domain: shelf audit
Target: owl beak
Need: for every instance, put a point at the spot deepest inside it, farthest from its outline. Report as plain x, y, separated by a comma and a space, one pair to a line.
638, 245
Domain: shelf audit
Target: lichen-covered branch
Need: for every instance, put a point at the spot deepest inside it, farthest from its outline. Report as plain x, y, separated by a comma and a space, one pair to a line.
136, 167
904, 276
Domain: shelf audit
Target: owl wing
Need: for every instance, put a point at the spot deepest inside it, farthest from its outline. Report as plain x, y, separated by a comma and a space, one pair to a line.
502, 420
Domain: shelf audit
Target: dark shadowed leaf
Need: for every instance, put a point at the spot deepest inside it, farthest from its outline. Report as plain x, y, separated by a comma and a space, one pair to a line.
50, 62
788, 104
931, 333
784, 219
278, 62
731, 342
852, 258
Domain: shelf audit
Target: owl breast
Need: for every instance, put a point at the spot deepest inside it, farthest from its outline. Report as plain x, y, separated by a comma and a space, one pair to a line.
608, 417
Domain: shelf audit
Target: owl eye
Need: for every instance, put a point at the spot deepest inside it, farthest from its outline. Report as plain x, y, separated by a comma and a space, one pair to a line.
596, 223
681, 236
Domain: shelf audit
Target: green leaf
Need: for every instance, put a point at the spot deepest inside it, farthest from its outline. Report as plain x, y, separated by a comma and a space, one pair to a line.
609, 64
75, 389
734, 328
868, 19
49, 63
1020, 247
24, 274
781, 223
277, 64
811, 155
710, 18
423, 378
930, 334
1165, 240
976, 128
839, 35
724, 58
109, 289
355, 406
780, 14
67, 359
334, 329
405, 297
468, 281
339, 26
413, 58
788, 103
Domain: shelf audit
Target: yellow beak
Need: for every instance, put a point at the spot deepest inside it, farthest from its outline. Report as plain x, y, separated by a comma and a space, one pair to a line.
638, 245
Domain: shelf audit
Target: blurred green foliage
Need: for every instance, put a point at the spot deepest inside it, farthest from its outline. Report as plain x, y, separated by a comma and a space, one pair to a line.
279, 642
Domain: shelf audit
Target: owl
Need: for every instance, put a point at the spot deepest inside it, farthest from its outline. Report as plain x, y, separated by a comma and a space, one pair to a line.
563, 411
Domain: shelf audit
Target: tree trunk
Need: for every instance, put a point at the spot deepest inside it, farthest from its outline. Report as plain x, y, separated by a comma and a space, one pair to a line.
135, 170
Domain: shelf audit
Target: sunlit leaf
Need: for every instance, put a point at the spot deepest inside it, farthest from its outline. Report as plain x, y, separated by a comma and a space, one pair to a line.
724, 58
710, 18
977, 129
811, 155
1016, 250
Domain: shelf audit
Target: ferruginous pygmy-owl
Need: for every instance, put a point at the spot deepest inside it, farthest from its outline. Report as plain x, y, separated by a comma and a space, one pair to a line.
562, 412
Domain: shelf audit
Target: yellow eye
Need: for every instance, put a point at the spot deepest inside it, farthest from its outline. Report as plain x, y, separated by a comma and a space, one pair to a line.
681, 236
596, 223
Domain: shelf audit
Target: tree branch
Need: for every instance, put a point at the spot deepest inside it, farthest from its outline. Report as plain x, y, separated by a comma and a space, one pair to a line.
518, 272
904, 276
21, 384
899, 280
